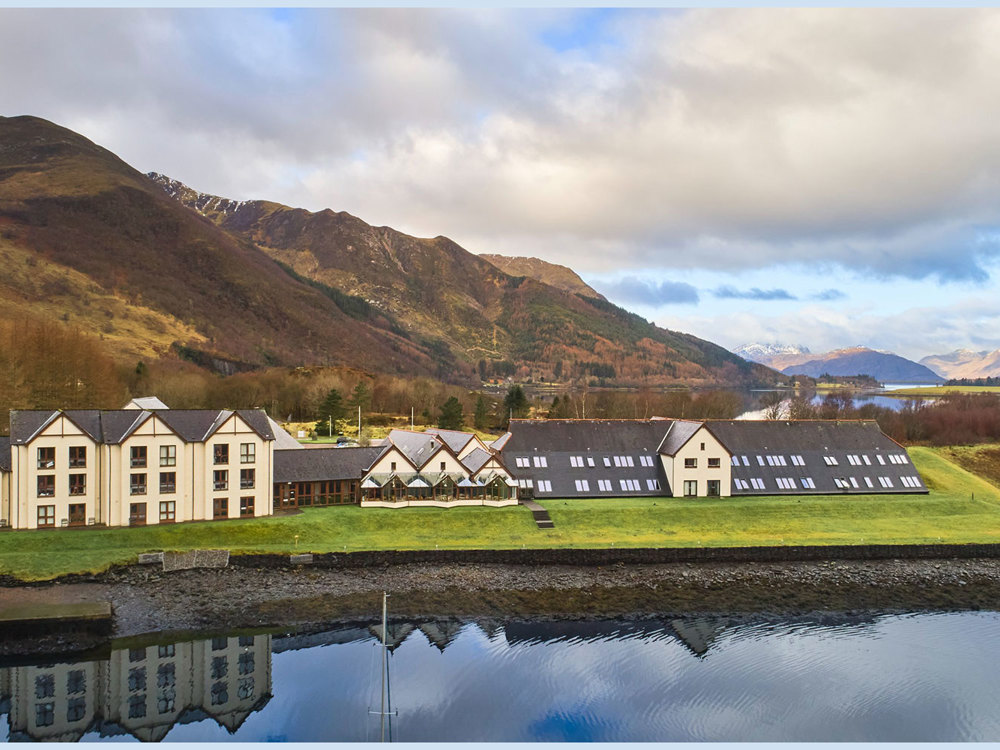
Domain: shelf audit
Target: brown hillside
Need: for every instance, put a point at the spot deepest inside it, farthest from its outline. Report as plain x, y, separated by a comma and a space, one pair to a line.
552, 274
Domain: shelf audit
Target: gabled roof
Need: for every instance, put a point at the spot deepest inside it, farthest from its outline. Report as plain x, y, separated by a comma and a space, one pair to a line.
146, 403
258, 421
796, 436
193, 425
282, 440
417, 447
454, 439
25, 423
322, 464
118, 425
476, 460
679, 433
500, 442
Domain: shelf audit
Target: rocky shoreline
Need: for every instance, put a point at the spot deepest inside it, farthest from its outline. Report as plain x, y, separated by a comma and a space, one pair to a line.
149, 601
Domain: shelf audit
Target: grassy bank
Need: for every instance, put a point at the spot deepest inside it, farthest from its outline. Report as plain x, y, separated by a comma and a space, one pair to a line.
961, 508
941, 390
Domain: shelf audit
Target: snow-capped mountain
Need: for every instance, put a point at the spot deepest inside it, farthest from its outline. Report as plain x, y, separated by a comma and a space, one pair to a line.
764, 353
965, 363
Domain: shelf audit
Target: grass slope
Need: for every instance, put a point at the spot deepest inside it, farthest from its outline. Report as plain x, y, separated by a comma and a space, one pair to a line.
940, 390
949, 513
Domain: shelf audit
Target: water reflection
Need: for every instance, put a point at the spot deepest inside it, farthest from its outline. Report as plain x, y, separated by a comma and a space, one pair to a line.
897, 677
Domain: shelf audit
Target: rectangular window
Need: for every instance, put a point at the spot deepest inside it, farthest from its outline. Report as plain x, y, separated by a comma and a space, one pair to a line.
46, 458
46, 516
618, 461
76, 709
248, 478
760, 460
885, 482
590, 462
714, 489
646, 460
544, 485
220, 507
740, 484
77, 514
168, 455
76, 682
770, 460
245, 662
582, 485
137, 484
246, 507
220, 453
629, 461
757, 483
798, 461
690, 463
576, 461
244, 689
78, 484
541, 462
735, 461
808, 483
653, 484
168, 511
136, 654
607, 461
78, 456
46, 485
248, 453
881, 459
168, 482
714, 463
604, 485
830, 461
137, 679
690, 488
137, 706
45, 714
220, 667
220, 479
138, 457
137, 514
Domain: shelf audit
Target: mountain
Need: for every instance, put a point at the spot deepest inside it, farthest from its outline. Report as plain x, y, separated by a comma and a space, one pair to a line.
883, 366
964, 363
552, 274
464, 307
766, 354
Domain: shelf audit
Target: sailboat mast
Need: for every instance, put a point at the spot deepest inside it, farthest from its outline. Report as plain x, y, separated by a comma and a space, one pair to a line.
385, 665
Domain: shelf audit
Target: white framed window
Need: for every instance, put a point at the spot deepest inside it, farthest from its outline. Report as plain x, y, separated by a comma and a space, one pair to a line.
582, 485
628, 459
797, 461
604, 485
576, 461
760, 460
868, 482
590, 462
541, 462
746, 462
646, 460
881, 459
841, 483
522, 462
808, 483
607, 461
544, 485
740, 484
885, 482
854, 482
653, 485
629, 485
770, 460
864, 457
757, 483
735, 461
830, 460
618, 461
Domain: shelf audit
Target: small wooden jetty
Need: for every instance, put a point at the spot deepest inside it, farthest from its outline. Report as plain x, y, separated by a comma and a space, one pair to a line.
21, 620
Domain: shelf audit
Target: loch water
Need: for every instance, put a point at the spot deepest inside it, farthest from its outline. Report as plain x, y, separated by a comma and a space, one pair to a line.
919, 676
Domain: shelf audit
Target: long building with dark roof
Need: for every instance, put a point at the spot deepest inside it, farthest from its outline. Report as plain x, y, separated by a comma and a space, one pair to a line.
720, 458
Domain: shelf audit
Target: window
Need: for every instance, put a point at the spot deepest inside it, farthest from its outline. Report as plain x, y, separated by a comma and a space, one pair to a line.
392, 466
646, 460
881, 459
703, 446
785, 483
541, 462
912, 482
853, 460
798, 461
246, 662
714, 463
45, 714
138, 457
690, 463
760, 460
136, 654
628, 460
582, 485
137, 514
168, 455
250, 486
653, 484
714, 488
46, 516
246, 507
46, 485
220, 667
770, 461
137, 484
544, 485
78, 484
629, 485
220, 479
735, 461
868, 482
220, 507
841, 483
77, 514
604, 485
78, 456
745, 461
165, 701
219, 644
248, 478
590, 462
168, 511
245, 641
220, 694
45, 686
740, 484
830, 461
136, 679
522, 462
220, 453
690, 488
808, 483
137, 706
244, 688
576, 461
248, 453
607, 461
757, 483
76, 682
76, 709
166, 652
168, 482
46, 458
885, 482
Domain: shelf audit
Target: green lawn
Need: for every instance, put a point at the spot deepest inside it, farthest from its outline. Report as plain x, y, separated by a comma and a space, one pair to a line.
948, 514
939, 390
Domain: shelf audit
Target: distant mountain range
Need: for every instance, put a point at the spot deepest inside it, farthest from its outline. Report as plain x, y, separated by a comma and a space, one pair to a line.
885, 367
964, 363
154, 268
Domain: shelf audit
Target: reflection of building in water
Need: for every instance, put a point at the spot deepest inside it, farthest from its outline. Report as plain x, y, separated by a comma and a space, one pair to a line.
141, 691
441, 632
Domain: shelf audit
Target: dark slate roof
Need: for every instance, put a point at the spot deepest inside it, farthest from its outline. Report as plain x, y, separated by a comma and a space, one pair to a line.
679, 433
453, 438
418, 447
476, 460
258, 422
117, 425
500, 442
795, 450
88, 420
607, 435
5, 458
25, 423
192, 425
323, 464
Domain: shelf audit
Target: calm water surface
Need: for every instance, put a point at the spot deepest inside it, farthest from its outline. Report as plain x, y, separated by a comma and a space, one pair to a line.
916, 677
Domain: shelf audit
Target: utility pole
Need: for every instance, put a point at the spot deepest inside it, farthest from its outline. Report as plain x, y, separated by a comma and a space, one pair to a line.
411, 417
359, 423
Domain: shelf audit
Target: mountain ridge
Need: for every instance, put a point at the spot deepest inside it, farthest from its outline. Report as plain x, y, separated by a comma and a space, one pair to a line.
965, 363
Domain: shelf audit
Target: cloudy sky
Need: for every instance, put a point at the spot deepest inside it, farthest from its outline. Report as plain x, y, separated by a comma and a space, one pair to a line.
818, 177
